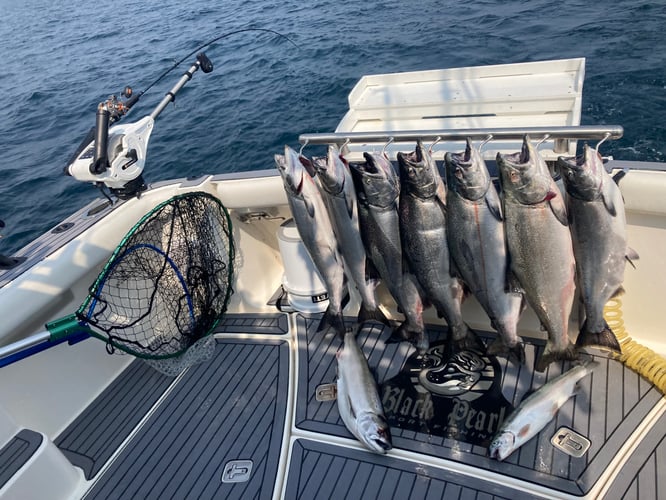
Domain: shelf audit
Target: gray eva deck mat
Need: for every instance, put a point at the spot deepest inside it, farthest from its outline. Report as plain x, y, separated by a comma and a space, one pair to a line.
612, 402
94, 436
645, 478
268, 324
321, 470
222, 418
16, 452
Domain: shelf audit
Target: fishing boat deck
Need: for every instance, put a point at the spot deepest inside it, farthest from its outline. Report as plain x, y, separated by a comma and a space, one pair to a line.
251, 422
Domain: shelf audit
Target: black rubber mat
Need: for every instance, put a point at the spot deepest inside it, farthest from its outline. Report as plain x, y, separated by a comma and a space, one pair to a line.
223, 421
95, 435
612, 402
321, 470
17, 452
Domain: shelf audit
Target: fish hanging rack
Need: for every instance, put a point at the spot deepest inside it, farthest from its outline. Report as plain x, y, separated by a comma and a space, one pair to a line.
561, 137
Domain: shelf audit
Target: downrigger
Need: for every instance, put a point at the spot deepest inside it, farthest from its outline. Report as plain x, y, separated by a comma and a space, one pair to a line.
113, 156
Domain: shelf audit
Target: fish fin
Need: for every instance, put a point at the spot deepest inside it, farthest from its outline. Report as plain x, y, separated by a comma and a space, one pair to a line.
499, 348
549, 355
308, 165
454, 271
373, 371
631, 255
468, 254
351, 205
557, 206
351, 407
371, 272
470, 341
416, 337
441, 194
512, 285
608, 203
365, 314
493, 202
620, 175
605, 338
332, 321
345, 299
618, 293
309, 207
528, 394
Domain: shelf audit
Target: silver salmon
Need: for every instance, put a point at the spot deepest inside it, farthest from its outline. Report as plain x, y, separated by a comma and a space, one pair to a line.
316, 231
358, 398
477, 244
536, 411
378, 189
598, 229
540, 247
337, 188
424, 240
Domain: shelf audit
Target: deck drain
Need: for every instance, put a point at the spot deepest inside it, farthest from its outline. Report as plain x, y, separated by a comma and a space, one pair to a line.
237, 471
570, 442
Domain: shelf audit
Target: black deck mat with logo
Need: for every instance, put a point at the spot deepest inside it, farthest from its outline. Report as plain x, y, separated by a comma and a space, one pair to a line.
452, 409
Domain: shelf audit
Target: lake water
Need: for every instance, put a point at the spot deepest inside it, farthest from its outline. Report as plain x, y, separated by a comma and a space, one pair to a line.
61, 59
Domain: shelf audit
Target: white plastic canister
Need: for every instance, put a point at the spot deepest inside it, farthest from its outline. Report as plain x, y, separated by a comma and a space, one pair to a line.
301, 280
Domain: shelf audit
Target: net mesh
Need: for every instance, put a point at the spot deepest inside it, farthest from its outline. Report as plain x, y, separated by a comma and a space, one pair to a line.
169, 281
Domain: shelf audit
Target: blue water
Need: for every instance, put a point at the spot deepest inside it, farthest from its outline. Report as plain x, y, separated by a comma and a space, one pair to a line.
60, 59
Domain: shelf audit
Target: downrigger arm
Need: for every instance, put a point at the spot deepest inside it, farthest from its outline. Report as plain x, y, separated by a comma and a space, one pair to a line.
114, 155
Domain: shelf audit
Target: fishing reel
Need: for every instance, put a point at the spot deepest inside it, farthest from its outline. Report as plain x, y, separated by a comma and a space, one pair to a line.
114, 156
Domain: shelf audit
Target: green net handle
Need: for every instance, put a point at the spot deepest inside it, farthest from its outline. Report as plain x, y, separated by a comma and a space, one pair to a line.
66, 327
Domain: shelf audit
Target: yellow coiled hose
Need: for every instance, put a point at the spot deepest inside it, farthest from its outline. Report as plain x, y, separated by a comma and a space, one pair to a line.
639, 358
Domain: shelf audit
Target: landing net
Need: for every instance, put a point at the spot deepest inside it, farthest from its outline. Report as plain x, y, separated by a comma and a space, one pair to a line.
167, 284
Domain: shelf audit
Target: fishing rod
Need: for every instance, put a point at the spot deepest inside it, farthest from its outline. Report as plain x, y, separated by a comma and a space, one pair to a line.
114, 156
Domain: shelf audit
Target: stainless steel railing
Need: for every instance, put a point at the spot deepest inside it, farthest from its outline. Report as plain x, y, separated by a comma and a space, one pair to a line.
560, 135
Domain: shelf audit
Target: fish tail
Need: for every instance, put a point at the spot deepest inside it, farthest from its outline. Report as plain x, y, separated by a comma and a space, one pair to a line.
499, 348
549, 355
605, 339
367, 314
417, 337
332, 321
464, 338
